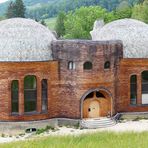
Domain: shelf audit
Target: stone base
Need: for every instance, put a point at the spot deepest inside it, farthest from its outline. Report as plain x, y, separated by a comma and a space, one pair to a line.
15, 128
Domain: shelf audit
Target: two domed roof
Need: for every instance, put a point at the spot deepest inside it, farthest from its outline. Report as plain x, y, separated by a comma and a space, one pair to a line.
133, 34
24, 40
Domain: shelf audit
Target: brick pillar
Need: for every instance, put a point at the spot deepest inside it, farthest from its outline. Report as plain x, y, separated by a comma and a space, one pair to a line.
39, 101
139, 90
21, 97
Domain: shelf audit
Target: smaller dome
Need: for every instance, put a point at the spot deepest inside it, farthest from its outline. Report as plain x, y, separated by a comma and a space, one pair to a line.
133, 34
24, 40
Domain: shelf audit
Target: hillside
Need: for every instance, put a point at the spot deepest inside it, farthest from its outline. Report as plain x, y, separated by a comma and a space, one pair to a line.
42, 9
30, 4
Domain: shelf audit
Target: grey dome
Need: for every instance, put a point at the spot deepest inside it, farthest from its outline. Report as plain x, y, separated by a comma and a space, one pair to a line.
24, 40
133, 33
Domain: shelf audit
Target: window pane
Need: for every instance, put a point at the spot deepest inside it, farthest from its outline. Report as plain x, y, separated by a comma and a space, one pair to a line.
74, 65
30, 93
44, 95
90, 95
107, 65
87, 66
71, 65
145, 76
14, 96
99, 95
133, 89
133, 79
145, 87
30, 82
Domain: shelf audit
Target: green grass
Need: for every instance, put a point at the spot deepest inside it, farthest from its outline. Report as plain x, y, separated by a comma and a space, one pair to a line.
97, 140
51, 23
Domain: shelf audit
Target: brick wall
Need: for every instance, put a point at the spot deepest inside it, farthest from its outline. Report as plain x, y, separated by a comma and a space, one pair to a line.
73, 84
66, 87
17, 71
130, 67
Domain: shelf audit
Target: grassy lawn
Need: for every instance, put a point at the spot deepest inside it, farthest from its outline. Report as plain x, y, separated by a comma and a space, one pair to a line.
51, 23
97, 140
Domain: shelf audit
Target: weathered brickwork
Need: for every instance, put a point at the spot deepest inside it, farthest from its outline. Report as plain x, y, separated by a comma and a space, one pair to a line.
73, 84
17, 71
130, 67
67, 88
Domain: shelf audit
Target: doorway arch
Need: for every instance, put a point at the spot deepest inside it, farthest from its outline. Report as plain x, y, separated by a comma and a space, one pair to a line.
96, 103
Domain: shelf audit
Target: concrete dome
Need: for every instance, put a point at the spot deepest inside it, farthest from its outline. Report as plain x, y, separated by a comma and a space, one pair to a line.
133, 33
24, 40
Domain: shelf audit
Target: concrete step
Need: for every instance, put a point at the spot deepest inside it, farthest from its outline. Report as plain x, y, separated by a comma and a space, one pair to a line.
97, 123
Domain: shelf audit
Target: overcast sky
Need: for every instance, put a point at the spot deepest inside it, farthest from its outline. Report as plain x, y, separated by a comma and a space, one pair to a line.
1, 1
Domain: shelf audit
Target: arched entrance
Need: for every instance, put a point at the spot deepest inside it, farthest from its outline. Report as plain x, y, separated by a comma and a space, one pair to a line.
96, 103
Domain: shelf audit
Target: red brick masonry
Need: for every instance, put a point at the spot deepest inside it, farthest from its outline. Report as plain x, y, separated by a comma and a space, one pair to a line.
66, 88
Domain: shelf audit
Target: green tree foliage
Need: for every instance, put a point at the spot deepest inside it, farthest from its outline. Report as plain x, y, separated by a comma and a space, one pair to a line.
60, 28
42, 9
43, 22
53, 7
110, 16
80, 23
19, 8
10, 10
16, 9
2, 18
140, 12
123, 10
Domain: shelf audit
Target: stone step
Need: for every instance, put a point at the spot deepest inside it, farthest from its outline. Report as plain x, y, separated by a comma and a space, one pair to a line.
97, 123
95, 120
94, 123
97, 126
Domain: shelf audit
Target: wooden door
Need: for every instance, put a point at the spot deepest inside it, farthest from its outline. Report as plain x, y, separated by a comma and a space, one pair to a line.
93, 109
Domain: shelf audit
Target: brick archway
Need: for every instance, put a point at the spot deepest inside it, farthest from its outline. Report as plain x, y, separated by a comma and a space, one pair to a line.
104, 99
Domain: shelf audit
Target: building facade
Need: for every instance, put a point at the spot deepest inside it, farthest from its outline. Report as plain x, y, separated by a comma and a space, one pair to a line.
43, 78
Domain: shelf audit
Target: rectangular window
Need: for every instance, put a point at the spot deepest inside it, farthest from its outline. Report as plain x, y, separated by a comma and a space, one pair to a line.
44, 95
133, 90
14, 96
145, 87
30, 93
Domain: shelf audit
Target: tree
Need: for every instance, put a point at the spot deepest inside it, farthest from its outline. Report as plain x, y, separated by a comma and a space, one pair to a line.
43, 22
123, 10
140, 12
10, 10
80, 23
110, 16
2, 18
60, 28
19, 9
16, 9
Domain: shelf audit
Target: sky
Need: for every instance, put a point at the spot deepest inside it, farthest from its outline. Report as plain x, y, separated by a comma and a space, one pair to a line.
1, 1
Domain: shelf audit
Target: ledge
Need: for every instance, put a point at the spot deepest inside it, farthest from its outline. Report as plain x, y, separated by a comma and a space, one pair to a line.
29, 113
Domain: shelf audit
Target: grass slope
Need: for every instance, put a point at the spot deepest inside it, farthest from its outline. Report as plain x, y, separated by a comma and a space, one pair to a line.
51, 23
97, 140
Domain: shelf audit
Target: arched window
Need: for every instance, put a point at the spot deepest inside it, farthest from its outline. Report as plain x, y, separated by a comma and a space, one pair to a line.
44, 95
87, 65
30, 93
145, 87
90, 95
133, 90
107, 65
14, 96
99, 95
71, 65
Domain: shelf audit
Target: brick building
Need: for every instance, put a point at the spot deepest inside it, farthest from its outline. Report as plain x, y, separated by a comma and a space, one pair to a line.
43, 78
